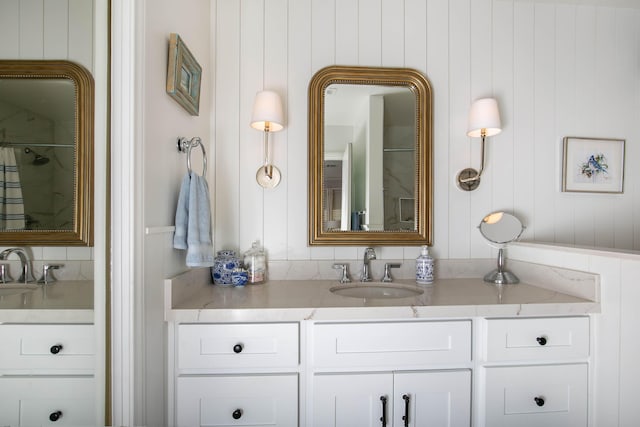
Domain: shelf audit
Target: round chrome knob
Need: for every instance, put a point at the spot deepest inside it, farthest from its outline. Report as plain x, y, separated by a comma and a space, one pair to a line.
237, 414
238, 348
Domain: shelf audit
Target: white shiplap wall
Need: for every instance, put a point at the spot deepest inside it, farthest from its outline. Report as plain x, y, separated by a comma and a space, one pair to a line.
557, 68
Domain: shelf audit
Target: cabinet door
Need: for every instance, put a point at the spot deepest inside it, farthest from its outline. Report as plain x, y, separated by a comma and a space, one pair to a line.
237, 400
352, 400
434, 399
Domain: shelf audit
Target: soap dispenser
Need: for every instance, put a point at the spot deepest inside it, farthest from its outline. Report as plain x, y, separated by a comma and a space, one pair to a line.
255, 262
424, 267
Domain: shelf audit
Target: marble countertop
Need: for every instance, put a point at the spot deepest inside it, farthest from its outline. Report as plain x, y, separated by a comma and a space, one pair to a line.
60, 302
190, 297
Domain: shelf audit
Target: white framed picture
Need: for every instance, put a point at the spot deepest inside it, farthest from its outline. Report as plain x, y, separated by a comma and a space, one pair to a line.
593, 165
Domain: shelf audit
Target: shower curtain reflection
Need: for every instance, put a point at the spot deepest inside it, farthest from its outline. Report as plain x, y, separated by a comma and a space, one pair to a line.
11, 203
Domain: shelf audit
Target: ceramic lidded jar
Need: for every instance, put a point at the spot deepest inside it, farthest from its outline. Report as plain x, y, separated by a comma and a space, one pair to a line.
225, 262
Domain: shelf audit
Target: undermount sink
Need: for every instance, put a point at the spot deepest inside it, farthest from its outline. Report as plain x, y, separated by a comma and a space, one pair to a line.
16, 288
377, 290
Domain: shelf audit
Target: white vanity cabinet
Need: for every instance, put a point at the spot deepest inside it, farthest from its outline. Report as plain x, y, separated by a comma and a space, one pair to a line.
236, 374
47, 374
391, 374
462, 372
536, 372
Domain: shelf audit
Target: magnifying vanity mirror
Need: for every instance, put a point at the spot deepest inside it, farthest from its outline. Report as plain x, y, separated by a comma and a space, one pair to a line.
46, 139
370, 157
500, 229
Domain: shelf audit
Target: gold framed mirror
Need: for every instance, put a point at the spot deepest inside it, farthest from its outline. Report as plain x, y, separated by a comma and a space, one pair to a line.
46, 148
370, 157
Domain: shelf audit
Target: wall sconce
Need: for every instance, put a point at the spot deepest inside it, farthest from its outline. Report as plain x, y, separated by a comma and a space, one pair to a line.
484, 120
267, 117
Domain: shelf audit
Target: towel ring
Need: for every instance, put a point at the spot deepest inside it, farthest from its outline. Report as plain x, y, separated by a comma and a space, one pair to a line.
185, 145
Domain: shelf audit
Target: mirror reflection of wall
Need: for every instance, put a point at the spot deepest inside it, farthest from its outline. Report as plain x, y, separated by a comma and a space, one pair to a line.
379, 122
41, 131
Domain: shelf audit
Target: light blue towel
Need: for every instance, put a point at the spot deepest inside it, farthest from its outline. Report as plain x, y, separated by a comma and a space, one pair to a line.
193, 221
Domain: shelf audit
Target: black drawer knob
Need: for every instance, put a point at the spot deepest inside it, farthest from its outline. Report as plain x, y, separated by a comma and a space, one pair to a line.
238, 348
55, 416
539, 401
55, 349
237, 414
542, 340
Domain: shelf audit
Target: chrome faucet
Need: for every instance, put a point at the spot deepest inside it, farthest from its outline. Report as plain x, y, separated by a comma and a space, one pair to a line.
27, 274
369, 254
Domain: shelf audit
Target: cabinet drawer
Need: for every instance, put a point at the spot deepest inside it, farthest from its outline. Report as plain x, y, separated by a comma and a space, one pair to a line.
550, 396
538, 339
391, 344
252, 400
47, 348
224, 346
31, 401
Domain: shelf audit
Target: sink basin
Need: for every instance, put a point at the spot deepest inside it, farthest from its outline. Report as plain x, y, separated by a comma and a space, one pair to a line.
377, 290
16, 288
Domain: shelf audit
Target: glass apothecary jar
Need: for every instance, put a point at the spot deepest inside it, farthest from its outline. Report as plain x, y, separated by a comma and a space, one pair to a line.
255, 262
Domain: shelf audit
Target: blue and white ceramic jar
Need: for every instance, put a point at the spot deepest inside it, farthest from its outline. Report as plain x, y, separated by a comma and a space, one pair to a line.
239, 277
225, 262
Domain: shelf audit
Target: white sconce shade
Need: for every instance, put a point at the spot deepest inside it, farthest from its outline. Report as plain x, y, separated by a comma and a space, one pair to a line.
267, 112
484, 114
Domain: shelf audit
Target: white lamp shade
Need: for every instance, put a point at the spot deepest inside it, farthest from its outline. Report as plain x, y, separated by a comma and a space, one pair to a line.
267, 108
484, 114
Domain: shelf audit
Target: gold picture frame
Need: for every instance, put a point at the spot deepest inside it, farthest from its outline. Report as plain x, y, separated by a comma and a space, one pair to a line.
184, 75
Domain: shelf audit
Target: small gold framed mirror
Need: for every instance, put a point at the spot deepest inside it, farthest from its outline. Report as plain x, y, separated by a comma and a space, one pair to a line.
46, 139
370, 157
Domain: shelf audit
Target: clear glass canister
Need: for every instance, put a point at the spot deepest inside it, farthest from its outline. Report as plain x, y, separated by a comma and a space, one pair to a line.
255, 262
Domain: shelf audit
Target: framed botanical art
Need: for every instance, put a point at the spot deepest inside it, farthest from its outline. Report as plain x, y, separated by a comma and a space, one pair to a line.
184, 76
593, 165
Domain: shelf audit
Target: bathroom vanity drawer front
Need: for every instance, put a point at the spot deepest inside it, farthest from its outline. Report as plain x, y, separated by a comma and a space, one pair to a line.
550, 396
391, 344
37, 401
538, 338
47, 347
255, 400
234, 346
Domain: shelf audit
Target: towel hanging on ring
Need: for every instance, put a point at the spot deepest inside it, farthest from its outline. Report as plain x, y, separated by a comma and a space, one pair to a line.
193, 216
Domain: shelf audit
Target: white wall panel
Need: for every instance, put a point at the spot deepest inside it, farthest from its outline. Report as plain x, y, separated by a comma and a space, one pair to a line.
227, 193
525, 172
81, 33
433, 56
31, 18
558, 69
10, 29
299, 72
56, 31
276, 78
460, 147
369, 33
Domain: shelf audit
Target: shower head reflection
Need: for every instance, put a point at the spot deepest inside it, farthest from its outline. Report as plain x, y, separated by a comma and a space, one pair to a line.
38, 159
